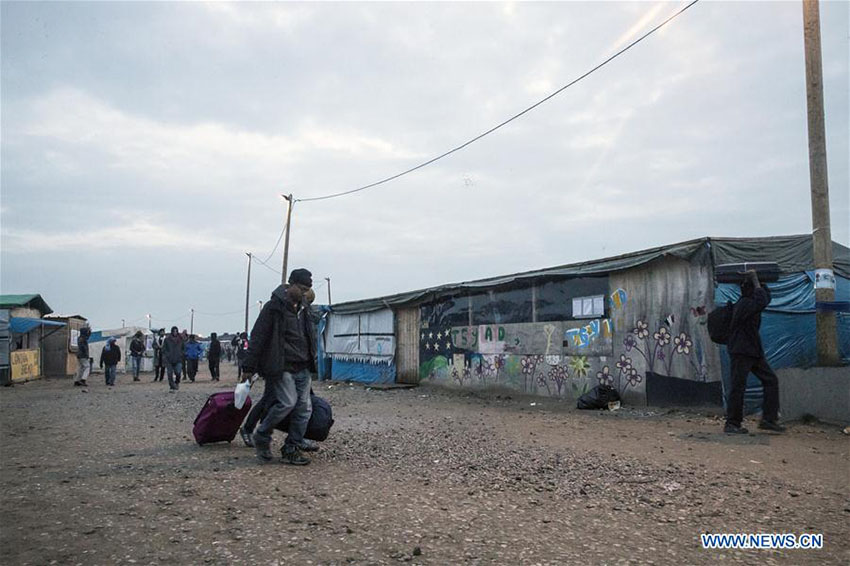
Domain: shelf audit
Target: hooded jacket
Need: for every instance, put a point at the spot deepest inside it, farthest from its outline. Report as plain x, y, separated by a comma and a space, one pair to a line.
744, 339
271, 337
111, 354
194, 350
214, 352
83, 344
137, 348
172, 349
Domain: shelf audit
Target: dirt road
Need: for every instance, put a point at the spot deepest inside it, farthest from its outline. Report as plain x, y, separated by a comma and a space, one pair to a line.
421, 476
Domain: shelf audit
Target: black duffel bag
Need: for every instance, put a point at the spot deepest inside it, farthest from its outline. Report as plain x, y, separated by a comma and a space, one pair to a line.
598, 398
321, 420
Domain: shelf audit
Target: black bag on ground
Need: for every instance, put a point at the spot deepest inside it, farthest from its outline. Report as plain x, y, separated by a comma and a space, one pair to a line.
321, 420
720, 323
598, 398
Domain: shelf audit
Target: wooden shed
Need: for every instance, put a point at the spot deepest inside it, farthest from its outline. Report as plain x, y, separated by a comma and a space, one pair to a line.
60, 348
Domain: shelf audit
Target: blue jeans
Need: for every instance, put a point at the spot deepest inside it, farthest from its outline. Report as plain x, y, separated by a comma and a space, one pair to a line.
109, 374
137, 366
285, 394
174, 371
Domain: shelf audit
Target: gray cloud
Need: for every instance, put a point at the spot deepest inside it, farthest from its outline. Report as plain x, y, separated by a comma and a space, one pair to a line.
144, 145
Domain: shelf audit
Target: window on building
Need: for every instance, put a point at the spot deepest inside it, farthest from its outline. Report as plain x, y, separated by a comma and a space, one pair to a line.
557, 300
508, 306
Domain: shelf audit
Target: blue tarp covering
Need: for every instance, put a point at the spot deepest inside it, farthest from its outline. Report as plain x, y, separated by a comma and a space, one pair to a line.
22, 325
788, 327
363, 372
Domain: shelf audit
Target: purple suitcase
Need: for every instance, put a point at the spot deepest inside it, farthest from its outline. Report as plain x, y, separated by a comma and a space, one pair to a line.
219, 420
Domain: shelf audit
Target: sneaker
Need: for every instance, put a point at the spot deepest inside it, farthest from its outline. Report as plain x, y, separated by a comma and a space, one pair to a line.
77, 384
733, 429
772, 426
293, 457
308, 445
262, 449
246, 437
84, 384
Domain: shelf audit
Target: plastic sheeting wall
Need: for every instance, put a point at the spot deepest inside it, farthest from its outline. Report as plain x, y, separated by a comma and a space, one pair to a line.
362, 346
788, 328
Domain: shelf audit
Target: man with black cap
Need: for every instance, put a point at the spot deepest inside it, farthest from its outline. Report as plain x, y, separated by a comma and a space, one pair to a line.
282, 349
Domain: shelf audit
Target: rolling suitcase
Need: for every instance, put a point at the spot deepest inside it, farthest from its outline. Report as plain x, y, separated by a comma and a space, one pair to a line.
767, 271
219, 419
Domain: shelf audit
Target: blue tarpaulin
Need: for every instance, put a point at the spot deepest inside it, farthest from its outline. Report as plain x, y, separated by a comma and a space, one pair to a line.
788, 328
22, 325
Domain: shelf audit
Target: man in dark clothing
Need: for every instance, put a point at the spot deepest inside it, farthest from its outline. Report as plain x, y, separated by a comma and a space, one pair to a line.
283, 350
137, 350
214, 356
83, 359
109, 357
172, 354
158, 362
241, 350
747, 353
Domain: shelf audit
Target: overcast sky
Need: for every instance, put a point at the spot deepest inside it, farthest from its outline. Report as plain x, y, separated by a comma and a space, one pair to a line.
144, 145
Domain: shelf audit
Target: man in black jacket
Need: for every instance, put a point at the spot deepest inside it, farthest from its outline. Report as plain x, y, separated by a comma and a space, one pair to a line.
214, 356
747, 353
137, 350
83, 360
282, 349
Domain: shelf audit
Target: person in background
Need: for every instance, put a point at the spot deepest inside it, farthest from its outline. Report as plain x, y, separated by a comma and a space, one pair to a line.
241, 350
172, 355
158, 362
83, 359
137, 350
747, 353
109, 357
228, 349
185, 337
214, 356
194, 352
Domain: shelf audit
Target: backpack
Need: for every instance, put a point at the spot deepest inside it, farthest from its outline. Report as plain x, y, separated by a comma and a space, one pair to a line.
598, 398
720, 323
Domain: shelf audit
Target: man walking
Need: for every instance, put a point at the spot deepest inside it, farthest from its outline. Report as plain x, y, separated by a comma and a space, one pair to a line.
172, 355
747, 353
83, 360
158, 362
214, 356
194, 352
109, 357
283, 350
137, 350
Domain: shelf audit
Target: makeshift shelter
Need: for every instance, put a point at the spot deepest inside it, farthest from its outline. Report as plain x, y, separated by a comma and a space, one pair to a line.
123, 337
26, 330
636, 321
60, 348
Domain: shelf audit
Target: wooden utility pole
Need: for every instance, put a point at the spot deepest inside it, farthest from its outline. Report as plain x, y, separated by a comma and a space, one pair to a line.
192, 322
827, 331
288, 227
328, 279
247, 290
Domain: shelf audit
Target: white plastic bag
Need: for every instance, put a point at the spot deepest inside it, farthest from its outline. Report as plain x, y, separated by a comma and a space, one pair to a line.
242, 392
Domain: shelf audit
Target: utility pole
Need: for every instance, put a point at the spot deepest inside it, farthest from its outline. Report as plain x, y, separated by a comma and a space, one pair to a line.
192, 322
288, 228
827, 332
247, 290
149, 320
122, 323
328, 279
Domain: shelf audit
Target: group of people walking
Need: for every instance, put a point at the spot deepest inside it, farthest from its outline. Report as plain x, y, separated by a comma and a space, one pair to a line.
175, 352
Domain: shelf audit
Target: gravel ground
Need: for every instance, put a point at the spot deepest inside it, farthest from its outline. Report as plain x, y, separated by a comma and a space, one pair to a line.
421, 476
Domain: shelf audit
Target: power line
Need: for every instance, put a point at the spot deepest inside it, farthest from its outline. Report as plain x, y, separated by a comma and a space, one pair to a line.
264, 264
506, 122
279, 238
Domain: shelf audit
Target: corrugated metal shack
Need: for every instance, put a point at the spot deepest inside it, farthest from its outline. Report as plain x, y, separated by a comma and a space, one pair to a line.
636, 321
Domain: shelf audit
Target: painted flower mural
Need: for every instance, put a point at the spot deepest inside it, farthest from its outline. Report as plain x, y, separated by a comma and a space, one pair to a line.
604, 377
579, 366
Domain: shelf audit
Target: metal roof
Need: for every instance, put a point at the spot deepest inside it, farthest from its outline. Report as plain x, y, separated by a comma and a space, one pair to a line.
792, 253
33, 300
